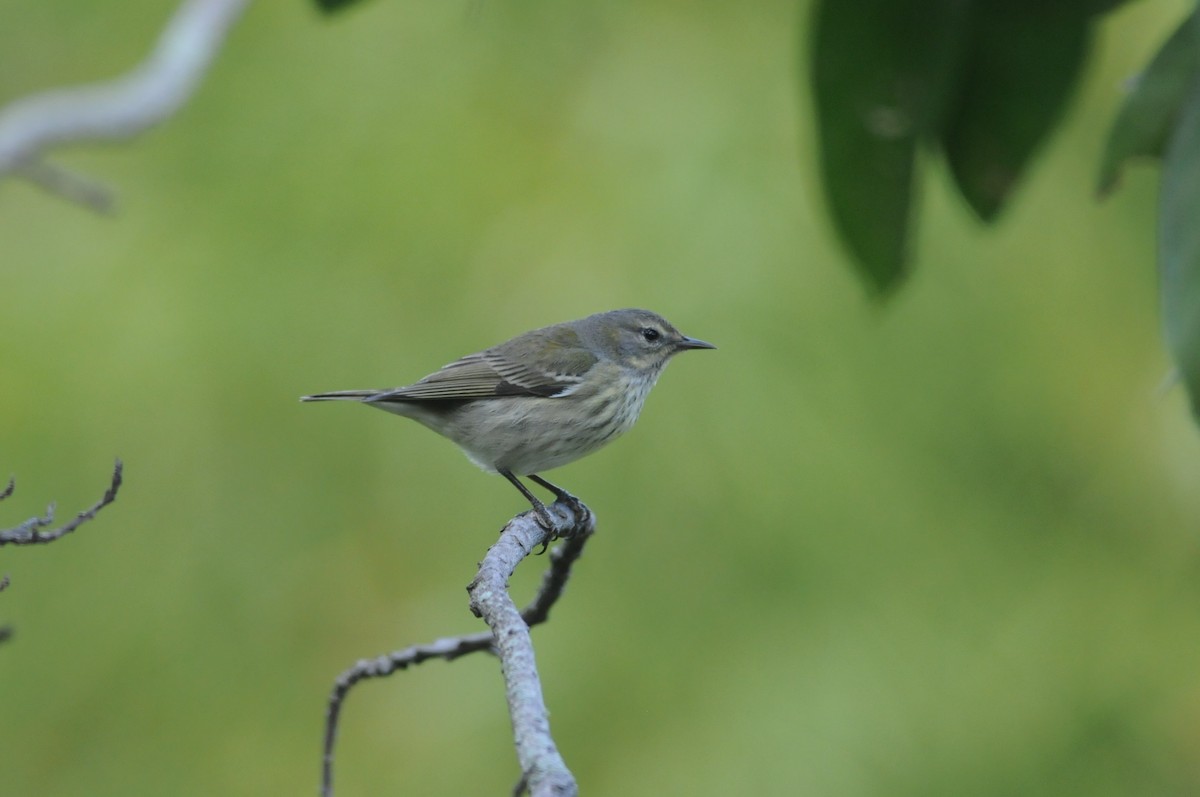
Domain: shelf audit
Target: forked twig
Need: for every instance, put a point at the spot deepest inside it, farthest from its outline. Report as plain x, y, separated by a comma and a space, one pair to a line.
30, 532
490, 600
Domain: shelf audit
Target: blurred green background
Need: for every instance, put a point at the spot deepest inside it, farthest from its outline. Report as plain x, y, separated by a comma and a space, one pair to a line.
946, 546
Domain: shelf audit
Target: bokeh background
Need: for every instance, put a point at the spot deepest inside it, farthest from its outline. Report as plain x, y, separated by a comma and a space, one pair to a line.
950, 545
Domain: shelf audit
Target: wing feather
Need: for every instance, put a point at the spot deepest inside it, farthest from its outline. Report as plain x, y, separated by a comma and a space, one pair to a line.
507, 370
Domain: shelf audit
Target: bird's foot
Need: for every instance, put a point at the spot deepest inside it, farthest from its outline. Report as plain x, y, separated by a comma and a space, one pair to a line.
578, 508
561, 496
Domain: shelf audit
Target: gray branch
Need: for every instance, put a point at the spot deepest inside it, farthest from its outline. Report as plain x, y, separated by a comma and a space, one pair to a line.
116, 109
5, 630
31, 531
543, 770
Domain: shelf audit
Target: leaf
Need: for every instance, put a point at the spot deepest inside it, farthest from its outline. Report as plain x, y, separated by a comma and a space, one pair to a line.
1022, 67
331, 6
1179, 242
1152, 106
883, 71
1098, 6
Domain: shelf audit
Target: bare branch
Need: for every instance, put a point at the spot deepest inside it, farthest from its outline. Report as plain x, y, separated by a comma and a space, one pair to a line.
72, 186
576, 524
5, 630
542, 767
30, 532
448, 648
116, 109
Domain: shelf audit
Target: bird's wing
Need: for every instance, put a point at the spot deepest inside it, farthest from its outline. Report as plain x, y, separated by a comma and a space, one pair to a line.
468, 378
546, 363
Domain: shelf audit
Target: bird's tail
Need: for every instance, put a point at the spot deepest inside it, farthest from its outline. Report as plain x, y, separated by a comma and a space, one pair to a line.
342, 395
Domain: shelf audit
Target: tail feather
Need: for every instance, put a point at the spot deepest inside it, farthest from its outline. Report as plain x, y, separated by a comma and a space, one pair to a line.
342, 395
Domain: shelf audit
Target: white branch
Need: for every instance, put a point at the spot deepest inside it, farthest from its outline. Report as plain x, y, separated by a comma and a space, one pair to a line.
123, 107
543, 771
576, 523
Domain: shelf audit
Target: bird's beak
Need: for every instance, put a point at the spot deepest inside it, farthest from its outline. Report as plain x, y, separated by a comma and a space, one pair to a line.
693, 343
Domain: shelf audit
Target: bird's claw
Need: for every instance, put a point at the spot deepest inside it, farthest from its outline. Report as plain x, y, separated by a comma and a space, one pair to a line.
577, 508
548, 525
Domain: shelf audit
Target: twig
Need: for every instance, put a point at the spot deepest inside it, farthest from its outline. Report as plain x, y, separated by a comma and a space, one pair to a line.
69, 185
449, 648
5, 630
576, 524
30, 532
116, 109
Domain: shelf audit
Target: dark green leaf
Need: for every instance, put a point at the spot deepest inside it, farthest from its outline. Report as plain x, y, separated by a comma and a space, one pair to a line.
1152, 107
1179, 242
1023, 64
330, 6
882, 73
1097, 6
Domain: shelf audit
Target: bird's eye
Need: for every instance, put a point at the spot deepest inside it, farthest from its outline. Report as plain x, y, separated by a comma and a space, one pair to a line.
650, 334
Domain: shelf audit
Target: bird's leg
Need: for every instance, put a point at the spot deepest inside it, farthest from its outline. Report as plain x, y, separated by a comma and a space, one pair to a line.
577, 506
539, 509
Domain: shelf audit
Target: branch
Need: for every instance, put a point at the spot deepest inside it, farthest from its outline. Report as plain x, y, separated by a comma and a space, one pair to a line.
522, 534
543, 770
30, 532
116, 109
5, 630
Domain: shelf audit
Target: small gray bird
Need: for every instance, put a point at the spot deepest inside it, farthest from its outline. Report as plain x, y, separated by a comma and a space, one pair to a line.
542, 399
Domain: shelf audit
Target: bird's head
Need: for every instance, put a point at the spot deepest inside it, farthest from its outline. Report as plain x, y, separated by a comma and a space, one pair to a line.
636, 339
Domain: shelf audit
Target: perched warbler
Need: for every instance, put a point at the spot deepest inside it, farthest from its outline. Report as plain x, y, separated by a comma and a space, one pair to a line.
542, 399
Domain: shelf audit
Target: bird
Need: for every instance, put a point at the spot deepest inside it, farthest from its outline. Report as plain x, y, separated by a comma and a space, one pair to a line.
542, 399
